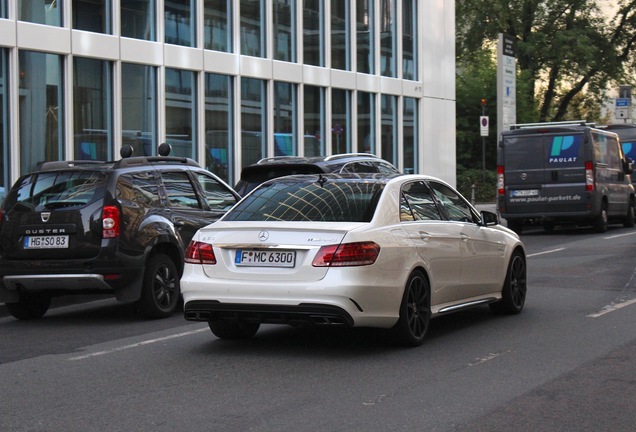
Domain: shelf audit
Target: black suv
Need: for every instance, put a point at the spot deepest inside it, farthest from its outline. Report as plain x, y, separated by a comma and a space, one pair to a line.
279, 166
105, 227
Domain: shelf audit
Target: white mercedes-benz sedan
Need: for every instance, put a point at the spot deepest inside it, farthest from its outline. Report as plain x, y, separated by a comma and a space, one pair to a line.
351, 250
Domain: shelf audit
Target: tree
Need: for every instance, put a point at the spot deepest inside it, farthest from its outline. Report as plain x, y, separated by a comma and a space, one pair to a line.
568, 52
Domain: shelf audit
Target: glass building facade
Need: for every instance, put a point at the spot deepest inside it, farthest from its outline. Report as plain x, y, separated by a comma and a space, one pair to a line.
227, 82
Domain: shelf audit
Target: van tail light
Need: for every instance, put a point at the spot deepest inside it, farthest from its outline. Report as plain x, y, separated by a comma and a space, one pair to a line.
199, 253
111, 222
500, 179
589, 176
347, 254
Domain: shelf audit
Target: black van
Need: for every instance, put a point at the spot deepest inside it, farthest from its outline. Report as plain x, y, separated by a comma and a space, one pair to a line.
627, 134
563, 173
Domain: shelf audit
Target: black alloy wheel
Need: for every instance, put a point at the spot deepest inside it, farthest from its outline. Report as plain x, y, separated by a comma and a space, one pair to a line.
161, 290
415, 311
514, 289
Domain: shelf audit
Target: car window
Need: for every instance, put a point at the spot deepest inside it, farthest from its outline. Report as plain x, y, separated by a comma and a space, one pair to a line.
454, 205
216, 194
50, 190
359, 167
180, 190
417, 203
326, 201
139, 188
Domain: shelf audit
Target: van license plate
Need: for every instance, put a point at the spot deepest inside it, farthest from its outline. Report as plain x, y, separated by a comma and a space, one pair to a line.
261, 258
46, 242
524, 193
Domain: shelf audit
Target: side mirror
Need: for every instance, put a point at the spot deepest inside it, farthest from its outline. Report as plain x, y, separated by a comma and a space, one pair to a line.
489, 218
628, 165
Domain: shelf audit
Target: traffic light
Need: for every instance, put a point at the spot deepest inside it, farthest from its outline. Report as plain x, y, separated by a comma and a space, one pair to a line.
483, 102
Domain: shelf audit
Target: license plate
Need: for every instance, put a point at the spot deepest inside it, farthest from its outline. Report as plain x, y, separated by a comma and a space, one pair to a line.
46, 242
524, 193
261, 258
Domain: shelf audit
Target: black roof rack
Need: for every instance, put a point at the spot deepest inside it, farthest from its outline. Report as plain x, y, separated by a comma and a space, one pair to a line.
551, 124
53, 165
154, 160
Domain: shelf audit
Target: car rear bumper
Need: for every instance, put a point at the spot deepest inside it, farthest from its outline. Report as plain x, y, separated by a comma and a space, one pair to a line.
302, 314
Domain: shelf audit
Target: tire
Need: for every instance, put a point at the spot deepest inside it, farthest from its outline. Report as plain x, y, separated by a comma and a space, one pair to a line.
29, 306
514, 289
515, 225
233, 329
415, 312
629, 218
600, 223
161, 292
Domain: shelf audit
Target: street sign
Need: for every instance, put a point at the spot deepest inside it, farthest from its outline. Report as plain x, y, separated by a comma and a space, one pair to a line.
483, 125
622, 102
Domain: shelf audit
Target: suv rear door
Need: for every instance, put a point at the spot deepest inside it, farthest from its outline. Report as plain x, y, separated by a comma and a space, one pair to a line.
54, 215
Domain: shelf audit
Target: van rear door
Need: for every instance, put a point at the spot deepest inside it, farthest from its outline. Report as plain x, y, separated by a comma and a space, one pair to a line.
544, 173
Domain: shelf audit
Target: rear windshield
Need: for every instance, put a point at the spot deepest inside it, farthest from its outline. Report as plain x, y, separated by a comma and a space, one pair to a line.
53, 190
330, 201
539, 151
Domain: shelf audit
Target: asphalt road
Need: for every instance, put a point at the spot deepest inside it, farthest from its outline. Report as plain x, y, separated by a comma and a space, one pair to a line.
565, 364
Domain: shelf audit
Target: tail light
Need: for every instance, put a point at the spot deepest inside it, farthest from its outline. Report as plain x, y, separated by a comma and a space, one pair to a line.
589, 176
110, 222
199, 253
500, 179
347, 254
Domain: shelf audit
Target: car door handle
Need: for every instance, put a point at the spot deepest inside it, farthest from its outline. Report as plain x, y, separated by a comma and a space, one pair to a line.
465, 238
179, 223
425, 236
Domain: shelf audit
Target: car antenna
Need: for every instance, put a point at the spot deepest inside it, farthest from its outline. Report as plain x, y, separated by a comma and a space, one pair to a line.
321, 180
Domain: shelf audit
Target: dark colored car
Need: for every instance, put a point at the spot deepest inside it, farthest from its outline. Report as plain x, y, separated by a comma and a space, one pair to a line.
269, 168
118, 227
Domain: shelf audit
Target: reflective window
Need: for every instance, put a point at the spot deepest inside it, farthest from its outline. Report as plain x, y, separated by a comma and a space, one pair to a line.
219, 125
314, 107
417, 203
340, 32
389, 128
138, 18
455, 207
364, 36
180, 22
217, 195
366, 122
340, 121
313, 33
180, 190
41, 109
253, 120
285, 143
218, 25
3, 9
285, 30
4, 125
92, 15
409, 140
253, 30
181, 111
409, 39
92, 109
388, 48
40, 12
139, 108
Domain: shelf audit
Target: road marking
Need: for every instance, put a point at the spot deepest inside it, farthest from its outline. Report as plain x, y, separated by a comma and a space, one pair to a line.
487, 358
619, 235
545, 252
611, 308
138, 344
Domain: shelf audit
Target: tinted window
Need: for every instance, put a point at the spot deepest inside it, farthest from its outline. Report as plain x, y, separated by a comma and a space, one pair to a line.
217, 195
417, 203
328, 201
138, 189
46, 191
180, 190
455, 207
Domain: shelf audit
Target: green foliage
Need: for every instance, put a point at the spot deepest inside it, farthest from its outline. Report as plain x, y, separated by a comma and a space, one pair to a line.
484, 183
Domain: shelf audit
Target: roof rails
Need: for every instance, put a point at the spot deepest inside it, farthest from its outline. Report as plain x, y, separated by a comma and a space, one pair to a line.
277, 158
551, 124
150, 160
346, 155
56, 165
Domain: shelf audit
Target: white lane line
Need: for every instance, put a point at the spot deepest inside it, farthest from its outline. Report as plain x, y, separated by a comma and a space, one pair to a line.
138, 344
619, 235
487, 358
612, 308
545, 252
